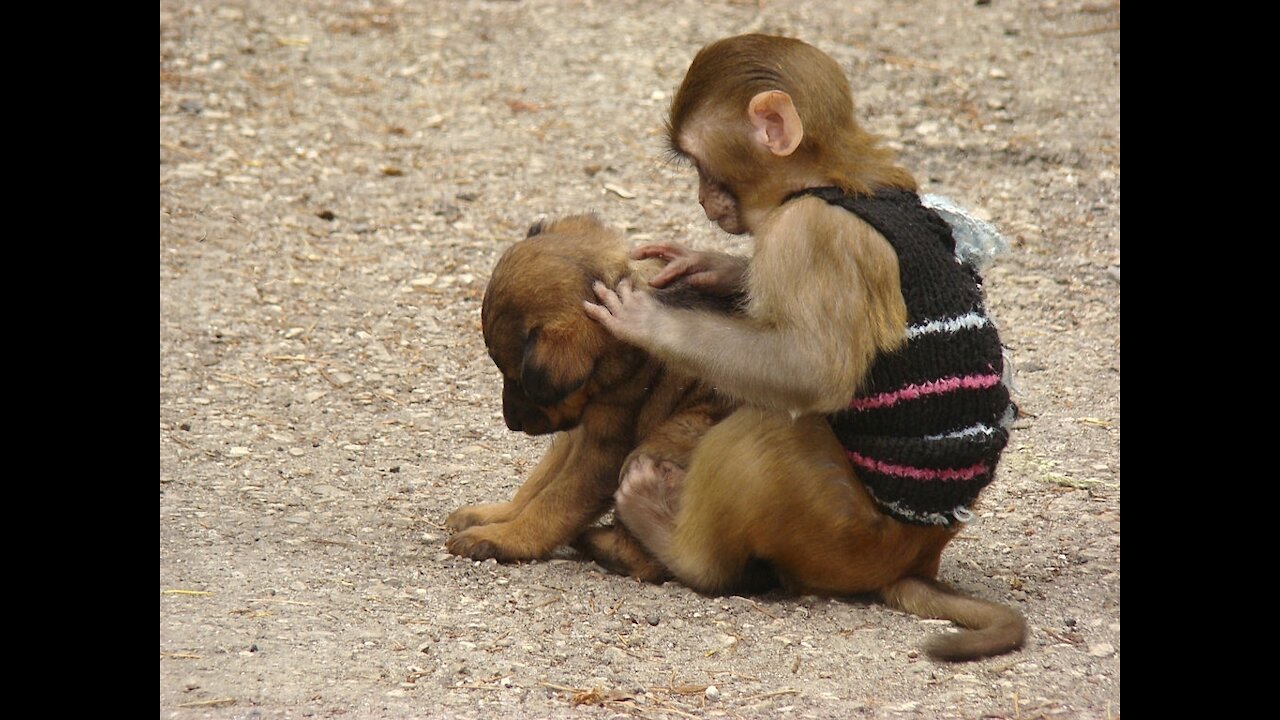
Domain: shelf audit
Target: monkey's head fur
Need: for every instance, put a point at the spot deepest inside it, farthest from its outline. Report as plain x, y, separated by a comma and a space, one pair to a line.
553, 358
761, 117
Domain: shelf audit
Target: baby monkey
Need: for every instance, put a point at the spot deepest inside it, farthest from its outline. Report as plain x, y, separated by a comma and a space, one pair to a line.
871, 375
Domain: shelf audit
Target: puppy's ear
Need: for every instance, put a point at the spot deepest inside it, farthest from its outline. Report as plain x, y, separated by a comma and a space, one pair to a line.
559, 359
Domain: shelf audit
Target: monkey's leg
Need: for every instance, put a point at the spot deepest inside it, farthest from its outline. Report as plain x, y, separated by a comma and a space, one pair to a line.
648, 500
763, 487
697, 523
667, 447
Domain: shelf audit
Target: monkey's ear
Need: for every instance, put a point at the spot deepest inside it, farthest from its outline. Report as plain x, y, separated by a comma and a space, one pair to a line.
775, 121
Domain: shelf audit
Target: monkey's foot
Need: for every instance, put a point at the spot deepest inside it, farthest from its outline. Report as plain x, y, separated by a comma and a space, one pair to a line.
648, 500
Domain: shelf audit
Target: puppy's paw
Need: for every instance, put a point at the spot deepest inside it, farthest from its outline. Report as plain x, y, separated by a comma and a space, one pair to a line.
473, 515
478, 545
504, 542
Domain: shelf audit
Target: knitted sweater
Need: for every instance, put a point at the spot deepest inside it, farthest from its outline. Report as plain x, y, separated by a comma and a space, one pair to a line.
925, 431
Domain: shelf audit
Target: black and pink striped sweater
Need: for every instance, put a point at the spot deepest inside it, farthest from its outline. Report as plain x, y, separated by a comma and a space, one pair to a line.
926, 430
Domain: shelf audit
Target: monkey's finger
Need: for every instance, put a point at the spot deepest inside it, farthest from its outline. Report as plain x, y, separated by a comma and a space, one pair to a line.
624, 290
666, 251
673, 270
597, 312
608, 298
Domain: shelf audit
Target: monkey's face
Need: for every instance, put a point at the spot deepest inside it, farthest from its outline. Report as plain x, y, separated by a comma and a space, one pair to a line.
719, 203
552, 356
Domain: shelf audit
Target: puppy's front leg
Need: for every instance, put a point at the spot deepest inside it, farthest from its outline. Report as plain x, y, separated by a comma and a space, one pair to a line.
568, 491
547, 470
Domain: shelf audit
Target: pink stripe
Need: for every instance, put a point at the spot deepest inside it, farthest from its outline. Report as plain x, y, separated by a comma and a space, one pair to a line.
936, 387
916, 473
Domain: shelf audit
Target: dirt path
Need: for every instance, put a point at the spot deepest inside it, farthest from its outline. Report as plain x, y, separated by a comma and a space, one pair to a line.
336, 181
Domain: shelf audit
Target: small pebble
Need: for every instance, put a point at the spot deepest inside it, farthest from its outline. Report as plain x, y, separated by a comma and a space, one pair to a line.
712, 692
652, 620
927, 127
1101, 650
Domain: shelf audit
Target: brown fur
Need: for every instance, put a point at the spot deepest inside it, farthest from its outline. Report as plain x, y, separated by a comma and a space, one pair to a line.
762, 118
726, 74
563, 373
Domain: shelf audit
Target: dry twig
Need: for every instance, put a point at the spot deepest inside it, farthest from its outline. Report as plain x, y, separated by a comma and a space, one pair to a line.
775, 693
755, 605
1091, 31
236, 378
216, 702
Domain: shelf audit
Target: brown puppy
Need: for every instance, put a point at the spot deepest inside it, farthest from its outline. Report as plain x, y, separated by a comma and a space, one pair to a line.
563, 373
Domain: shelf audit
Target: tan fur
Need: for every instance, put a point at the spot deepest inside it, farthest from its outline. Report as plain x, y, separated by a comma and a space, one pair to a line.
823, 297
804, 345
764, 488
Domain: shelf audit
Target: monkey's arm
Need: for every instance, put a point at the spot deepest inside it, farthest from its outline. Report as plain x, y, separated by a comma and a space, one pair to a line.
824, 298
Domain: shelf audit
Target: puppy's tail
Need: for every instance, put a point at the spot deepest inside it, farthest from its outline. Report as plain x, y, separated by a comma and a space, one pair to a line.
992, 628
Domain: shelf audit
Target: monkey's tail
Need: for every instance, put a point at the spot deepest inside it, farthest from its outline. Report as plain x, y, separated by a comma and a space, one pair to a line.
992, 628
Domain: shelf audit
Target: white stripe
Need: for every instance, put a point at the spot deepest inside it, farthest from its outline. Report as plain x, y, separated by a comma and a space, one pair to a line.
962, 514
978, 429
970, 321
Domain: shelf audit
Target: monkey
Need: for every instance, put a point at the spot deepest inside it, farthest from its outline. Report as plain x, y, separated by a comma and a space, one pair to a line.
871, 376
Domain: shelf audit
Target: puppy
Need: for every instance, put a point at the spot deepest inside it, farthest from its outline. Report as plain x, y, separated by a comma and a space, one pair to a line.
563, 373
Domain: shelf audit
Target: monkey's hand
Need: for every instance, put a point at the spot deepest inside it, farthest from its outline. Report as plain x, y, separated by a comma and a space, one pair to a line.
714, 273
631, 315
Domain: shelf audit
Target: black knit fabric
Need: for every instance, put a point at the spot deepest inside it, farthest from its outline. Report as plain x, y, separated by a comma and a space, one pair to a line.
925, 432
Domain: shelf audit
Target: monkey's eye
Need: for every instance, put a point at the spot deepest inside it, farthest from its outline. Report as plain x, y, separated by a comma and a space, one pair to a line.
675, 156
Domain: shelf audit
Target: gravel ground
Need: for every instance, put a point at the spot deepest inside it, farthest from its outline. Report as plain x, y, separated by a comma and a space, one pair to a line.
336, 181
